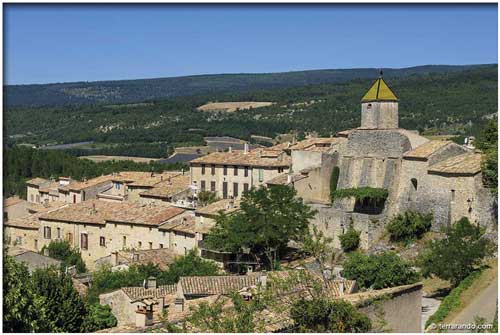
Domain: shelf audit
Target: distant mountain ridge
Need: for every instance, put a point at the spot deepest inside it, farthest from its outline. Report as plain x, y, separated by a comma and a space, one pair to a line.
139, 90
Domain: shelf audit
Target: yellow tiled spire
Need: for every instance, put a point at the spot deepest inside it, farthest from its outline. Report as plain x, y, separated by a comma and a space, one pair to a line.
380, 91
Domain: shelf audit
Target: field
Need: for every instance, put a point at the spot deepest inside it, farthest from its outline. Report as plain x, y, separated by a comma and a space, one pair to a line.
102, 158
232, 106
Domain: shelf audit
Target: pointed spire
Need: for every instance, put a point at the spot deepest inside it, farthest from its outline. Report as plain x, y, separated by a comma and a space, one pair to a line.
380, 91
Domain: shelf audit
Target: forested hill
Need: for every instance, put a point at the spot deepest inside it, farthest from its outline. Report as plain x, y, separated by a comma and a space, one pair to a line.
129, 91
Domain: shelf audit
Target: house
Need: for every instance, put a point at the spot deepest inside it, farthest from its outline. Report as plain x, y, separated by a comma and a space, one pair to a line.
175, 190
229, 174
122, 259
14, 207
33, 260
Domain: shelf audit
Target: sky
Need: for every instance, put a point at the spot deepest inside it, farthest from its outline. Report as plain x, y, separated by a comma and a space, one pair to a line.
64, 43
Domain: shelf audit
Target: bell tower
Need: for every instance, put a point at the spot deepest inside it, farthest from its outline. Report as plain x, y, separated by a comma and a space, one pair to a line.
379, 106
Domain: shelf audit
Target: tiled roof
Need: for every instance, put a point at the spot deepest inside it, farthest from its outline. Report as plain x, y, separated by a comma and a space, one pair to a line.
161, 257
11, 201
45, 207
50, 187
98, 212
150, 179
283, 179
465, 164
425, 150
141, 292
80, 185
25, 222
225, 205
257, 157
37, 181
212, 285
186, 224
169, 187
316, 143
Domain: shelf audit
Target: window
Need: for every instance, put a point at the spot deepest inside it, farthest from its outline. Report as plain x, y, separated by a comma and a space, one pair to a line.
452, 195
84, 241
225, 170
32, 198
202, 168
414, 182
150, 245
117, 186
102, 241
280, 170
36, 244
235, 170
19, 240
161, 245
261, 175
369, 106
58, 232
235, 190
5, 216
224, 190
245, 187
46, 232
69, 238
246, 171
124, 241
139, 244
213, 170
74, 198
202, 186
212, 186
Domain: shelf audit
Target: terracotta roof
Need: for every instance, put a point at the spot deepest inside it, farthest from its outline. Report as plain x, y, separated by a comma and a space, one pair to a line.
50, 187
186, 224
148, 180
465, 164
257, 157
169, 187
212, 285
141, 292
315, 143
283, 179
25, 222
225, 205
11, 201
45, 207
37, 181
80, 185
425, 150
98, 212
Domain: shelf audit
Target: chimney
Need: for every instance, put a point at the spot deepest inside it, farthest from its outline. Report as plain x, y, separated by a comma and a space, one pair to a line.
179, 299
151, 282
230, 149
114, 258
245, 148
289, 179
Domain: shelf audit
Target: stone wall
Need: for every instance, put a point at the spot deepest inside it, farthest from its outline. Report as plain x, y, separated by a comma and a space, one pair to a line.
379, 115
122, 309
377, 143
400, 310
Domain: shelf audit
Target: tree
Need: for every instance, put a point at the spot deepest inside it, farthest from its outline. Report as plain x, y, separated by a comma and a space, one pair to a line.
379, 271
23, 310
206, 197
319, 246
458, 254
64, 306
409, 226
322, 315
350, 239
100, 317
69, 256
269, 218
488, 143
189, 265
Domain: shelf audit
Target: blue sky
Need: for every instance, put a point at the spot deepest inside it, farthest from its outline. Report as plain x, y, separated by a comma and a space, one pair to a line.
61, 43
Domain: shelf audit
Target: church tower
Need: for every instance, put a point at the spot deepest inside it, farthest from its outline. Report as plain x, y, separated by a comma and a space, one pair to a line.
379, 107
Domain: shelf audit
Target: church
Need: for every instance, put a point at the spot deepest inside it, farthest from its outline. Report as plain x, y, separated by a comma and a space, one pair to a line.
380, 170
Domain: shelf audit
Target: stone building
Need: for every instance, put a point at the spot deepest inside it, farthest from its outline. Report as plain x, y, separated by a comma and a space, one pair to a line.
439, 177
229, 174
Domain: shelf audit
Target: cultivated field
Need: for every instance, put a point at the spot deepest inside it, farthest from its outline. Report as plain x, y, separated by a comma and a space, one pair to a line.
232, 106
102, 158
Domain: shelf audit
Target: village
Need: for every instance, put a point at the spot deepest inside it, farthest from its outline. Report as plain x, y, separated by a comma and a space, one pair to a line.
357, 180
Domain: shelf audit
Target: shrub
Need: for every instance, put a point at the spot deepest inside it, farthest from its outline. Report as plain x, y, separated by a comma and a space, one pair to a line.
69, 256
378, 271
409, 226
100, 317
372, 195
322, 315
350, 239
458, 254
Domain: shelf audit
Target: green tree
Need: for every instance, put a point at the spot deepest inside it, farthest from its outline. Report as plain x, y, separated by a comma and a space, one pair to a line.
409, 226
322, 315
206, 197
350, 239
189, 265
458, 254
379, 271
69, 256
64, 306
320, 247
269, 218
99, 317
488, 143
